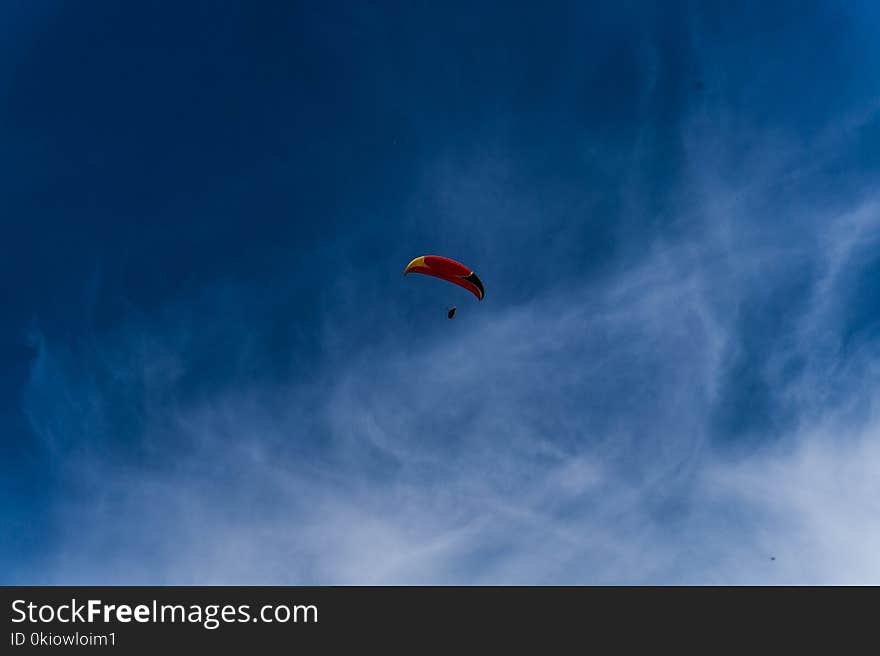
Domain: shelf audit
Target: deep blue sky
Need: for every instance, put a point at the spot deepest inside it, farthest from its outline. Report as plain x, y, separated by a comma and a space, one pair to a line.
213, 370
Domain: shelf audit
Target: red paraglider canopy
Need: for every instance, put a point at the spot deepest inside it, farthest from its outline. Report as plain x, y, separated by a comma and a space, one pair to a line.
449, 270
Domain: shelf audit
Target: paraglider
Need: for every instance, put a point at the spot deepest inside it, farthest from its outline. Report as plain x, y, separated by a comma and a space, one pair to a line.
450, 271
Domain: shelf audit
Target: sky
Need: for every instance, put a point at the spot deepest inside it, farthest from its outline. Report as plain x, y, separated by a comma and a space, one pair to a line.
213, 372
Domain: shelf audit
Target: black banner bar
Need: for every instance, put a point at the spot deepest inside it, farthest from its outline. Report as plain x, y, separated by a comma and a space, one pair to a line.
149, 619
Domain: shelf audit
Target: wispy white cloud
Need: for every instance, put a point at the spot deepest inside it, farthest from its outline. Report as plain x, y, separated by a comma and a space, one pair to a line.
565, 441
